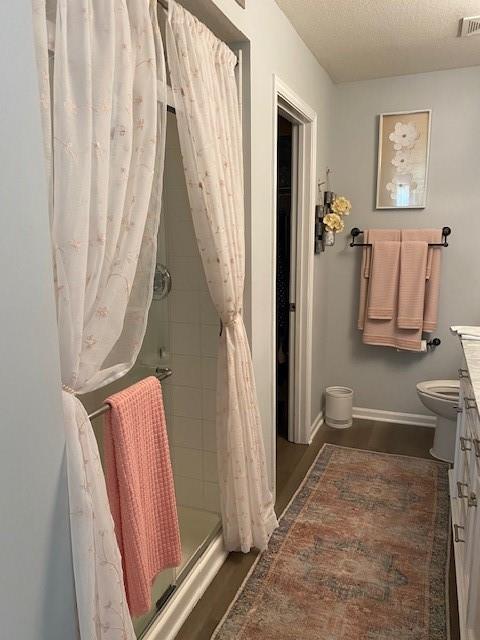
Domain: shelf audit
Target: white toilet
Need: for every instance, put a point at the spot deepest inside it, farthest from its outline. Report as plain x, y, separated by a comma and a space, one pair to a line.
442, 397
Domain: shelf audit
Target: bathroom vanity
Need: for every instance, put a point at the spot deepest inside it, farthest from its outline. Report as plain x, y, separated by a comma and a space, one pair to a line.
465, 494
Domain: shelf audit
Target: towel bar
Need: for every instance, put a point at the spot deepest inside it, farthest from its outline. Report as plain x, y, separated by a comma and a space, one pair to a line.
355, 232
160, 373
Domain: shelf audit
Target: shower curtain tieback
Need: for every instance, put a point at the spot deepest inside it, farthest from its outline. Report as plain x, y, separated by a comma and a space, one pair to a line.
104, 169
229, 323
68, 389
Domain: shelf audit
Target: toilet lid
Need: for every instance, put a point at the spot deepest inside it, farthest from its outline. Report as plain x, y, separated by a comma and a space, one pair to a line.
442, 389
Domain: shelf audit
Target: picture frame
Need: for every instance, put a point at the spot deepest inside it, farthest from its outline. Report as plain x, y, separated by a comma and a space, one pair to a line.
403, 158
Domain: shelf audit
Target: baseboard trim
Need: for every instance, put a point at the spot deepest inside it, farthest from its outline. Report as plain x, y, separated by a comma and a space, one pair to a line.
168, 623
414, 419
317, 423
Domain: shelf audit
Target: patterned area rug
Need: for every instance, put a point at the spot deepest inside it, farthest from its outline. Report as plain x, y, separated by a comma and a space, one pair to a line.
361, 554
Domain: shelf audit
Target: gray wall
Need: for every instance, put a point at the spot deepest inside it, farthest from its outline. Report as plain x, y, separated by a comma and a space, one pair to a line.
383, 378
36, 585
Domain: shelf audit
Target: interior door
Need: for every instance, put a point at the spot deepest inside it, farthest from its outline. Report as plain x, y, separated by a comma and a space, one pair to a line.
293, 288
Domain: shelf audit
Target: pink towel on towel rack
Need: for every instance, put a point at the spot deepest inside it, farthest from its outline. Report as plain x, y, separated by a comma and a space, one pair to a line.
432, 287
411, 290
370, 236
384, 269
140, 488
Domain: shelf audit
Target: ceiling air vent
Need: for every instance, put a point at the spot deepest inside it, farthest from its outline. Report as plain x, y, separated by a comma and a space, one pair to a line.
470, 26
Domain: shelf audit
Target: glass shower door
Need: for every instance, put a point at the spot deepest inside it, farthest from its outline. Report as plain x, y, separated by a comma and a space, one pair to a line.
182, 335
181, 338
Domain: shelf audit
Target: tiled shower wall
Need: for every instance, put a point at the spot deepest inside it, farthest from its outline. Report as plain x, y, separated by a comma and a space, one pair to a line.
192, 332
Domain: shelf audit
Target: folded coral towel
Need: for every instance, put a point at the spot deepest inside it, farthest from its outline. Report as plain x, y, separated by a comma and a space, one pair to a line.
411, 290
370, 236
140, 488
382, 294
432, 287
387, 333
467, 331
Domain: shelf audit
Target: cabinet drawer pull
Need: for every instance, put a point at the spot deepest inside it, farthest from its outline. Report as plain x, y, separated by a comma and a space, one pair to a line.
456, 537
463, 373
463, 446
472, 500
476, 446
470, 403
460, 493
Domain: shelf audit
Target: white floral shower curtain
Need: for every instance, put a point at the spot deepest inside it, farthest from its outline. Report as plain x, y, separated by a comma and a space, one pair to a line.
104, 138
202, 71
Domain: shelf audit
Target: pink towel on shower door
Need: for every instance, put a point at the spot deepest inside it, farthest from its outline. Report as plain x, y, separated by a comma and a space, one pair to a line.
411, 290
140, 488
432, 286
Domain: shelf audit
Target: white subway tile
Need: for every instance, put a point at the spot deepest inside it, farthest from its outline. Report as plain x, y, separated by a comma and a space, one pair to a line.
210, 473
187, 370
210, 340
209, 372
185, 338
158, 312
189, 492
187, 432
170, 421
209, 435
185, 272
184, 306
209, 404
187, 402
212, 497
181, 239
209, 314
167, 399
188, 463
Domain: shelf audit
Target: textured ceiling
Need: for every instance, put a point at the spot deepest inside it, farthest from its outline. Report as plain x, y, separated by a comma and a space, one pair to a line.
362, 39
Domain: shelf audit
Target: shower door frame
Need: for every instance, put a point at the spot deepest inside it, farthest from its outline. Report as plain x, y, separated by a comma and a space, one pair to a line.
304, 118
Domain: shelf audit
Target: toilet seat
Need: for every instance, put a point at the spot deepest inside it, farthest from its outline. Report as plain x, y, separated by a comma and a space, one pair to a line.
441, 397
447, 390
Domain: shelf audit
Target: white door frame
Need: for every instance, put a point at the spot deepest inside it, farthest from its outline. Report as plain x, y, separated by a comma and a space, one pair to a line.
306, 120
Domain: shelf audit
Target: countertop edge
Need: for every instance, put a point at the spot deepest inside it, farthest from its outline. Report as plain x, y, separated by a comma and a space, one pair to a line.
471, 350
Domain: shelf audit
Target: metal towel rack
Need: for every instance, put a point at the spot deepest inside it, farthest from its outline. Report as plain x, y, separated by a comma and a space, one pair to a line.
355, 232
161, 373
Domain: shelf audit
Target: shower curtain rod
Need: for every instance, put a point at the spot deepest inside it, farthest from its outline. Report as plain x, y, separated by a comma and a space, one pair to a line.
164, 5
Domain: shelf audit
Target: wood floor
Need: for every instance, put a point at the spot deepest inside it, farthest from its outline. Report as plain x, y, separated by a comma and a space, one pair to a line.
293, 462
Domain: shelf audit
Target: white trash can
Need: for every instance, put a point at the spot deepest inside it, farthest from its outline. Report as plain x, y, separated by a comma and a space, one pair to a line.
338, 409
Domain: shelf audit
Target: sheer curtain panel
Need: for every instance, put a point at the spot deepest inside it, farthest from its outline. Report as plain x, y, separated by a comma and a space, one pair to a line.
202, 72
104, 146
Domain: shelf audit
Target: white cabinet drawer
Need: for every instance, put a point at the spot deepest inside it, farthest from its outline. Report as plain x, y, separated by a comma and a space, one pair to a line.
470, 408
472, 560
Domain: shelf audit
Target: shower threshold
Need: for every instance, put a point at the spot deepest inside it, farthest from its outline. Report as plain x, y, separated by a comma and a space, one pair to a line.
198, 529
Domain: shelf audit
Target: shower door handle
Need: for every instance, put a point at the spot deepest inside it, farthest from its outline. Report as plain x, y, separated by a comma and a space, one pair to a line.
476, 446
460, 493
456, 528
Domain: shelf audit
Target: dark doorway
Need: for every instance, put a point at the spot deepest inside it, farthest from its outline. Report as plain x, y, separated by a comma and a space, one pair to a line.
283, 274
